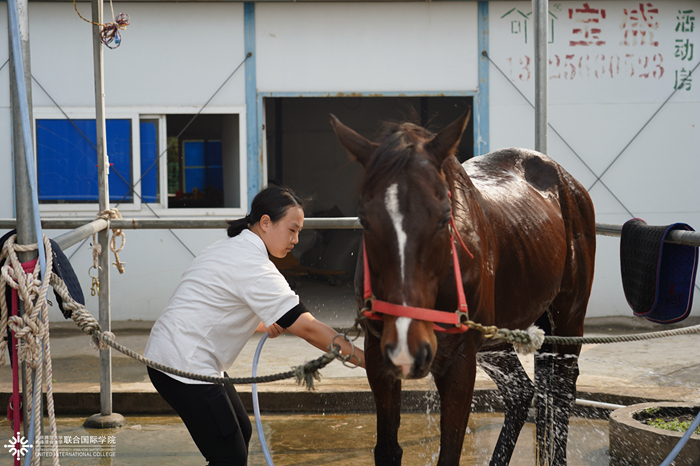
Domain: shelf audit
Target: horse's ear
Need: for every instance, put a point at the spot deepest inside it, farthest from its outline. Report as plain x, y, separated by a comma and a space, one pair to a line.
446, 141
357, 146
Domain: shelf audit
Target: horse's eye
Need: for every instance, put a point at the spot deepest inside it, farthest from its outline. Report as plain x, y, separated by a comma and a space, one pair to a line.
444, 222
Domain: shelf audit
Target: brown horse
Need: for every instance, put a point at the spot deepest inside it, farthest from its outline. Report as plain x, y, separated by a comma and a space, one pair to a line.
530, 229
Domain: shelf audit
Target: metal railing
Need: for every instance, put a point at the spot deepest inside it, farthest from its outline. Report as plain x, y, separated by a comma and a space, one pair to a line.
688, 238
84, 228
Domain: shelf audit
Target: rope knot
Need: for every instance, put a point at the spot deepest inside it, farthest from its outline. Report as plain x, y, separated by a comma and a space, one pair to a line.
527, 341
29, 329
30, 335
307, 373
524, 341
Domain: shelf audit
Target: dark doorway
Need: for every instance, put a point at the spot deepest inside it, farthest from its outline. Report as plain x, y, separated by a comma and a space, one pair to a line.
304, 154
302, 150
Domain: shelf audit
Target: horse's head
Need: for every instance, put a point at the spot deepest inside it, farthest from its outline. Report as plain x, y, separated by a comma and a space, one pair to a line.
405, 210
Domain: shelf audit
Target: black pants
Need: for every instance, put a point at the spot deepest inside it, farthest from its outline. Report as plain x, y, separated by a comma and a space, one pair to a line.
213, 414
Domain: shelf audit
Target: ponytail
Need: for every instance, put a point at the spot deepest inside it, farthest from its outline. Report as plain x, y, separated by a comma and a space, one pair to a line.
273, 201
237, 226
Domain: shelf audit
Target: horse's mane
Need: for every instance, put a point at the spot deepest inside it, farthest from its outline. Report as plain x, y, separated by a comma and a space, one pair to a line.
397, 147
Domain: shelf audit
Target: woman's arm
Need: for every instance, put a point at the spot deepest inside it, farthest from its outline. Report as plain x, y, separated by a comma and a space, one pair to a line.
321, 335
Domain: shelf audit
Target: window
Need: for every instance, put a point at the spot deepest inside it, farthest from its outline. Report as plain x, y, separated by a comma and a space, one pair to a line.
203, 161
171, 162
67, 160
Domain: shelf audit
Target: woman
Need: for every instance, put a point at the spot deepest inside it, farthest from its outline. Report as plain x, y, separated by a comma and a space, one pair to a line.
228, 292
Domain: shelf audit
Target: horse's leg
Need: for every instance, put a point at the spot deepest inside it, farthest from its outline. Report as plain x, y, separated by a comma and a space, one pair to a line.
456, 388
556, 371
517, 391
386, 390
544, 421
555, 382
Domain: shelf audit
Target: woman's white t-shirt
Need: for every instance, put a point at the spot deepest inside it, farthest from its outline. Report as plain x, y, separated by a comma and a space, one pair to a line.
220, 300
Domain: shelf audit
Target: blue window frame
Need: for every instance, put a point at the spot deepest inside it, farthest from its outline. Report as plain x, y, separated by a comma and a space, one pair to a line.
149, 160
67, 160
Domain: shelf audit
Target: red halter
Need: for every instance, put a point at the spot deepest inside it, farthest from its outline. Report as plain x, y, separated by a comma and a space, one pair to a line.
374, 306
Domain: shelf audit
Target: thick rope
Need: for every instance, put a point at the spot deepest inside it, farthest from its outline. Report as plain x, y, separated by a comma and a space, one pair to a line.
31, 332
621, 338
530, 340
524, 341
304, 374
28, 329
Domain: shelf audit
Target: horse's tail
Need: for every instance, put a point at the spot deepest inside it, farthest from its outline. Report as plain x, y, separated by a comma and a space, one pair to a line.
579, 221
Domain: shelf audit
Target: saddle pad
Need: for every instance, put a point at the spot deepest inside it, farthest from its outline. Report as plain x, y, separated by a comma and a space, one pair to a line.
658, 278
63, 269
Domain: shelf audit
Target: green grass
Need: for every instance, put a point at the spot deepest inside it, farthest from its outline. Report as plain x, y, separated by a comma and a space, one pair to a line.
674, 425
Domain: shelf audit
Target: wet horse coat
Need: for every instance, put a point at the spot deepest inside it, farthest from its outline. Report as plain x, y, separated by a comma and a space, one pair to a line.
531, 230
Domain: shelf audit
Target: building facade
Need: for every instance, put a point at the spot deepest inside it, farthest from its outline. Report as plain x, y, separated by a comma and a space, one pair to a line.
209, 101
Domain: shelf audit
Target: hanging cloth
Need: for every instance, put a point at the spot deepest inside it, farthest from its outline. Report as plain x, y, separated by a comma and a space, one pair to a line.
658, 278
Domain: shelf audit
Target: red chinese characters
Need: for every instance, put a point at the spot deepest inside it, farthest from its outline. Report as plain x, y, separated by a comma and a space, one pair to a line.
639, 25
590, 30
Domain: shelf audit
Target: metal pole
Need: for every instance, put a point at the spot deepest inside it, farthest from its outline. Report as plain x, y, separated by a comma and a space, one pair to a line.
75, 236
540, 17
103, 187
106, 418
26, 230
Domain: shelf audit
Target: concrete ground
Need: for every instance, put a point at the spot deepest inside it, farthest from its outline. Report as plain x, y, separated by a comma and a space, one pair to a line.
665, 369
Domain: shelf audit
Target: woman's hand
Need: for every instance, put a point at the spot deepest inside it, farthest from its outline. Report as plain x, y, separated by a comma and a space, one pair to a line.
321, 335
273, 330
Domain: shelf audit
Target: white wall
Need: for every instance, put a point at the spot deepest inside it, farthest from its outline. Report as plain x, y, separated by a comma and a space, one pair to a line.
171, 54
599, 109
155, 261
366, 47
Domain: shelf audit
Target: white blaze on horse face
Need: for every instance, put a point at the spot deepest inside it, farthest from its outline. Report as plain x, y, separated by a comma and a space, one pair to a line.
391, 199
400, 355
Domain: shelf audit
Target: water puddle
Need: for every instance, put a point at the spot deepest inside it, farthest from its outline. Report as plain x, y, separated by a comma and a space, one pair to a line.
333, 439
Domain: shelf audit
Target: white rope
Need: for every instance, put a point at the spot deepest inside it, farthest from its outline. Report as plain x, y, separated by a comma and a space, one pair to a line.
110, 214
31, 332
